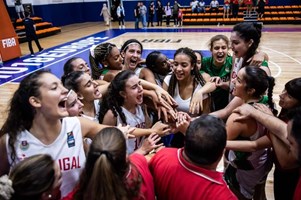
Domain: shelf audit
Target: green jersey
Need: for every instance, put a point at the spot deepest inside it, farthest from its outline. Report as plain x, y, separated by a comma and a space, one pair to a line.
220, 96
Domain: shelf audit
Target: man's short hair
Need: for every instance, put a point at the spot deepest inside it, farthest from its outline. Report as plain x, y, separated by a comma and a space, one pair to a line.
205, 140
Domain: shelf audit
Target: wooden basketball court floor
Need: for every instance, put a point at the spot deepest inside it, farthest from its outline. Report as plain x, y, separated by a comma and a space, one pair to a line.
282, 43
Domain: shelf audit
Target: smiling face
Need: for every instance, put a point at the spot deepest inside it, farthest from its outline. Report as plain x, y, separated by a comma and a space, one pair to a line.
240, 85
73, 104
239, 46
51, 102
114, 60
132, 56
163, 65
81, 65
133, 92
287, 101
219, 52
88, 89
182, 66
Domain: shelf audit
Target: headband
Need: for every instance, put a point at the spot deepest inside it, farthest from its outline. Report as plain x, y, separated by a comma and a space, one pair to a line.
131, 44
92, 51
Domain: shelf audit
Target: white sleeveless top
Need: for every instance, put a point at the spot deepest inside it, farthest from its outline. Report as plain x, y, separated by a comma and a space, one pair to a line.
134, 120
67, 150
97, 108
138, 71
183, 104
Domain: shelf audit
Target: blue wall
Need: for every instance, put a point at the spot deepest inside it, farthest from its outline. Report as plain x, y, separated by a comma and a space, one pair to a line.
69, 13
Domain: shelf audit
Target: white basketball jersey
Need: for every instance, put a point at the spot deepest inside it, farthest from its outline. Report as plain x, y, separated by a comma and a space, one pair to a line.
134, 120
67, 150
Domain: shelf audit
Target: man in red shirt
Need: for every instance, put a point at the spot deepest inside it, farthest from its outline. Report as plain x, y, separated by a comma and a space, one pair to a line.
190, 172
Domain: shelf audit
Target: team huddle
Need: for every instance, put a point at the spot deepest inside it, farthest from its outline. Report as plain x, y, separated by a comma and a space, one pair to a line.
154, 128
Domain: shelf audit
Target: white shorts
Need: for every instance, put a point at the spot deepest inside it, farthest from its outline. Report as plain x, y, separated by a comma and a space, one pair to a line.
19, 8
227, 7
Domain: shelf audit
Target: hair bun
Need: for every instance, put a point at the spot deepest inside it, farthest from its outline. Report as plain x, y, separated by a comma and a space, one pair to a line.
6, 187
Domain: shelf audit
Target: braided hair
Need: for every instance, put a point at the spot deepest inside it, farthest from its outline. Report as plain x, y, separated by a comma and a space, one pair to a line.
97, 56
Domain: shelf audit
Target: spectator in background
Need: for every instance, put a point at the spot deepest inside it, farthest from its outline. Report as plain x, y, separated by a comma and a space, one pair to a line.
121, 14
167, 13
137, 15
194, 6
175, 12
106, 14
160, 12
30, 30
255, 2
201, 6
261, 4
249, 4
19, 8
151, 14
143, 11
226, 8
180, 18
214, 6
235, 8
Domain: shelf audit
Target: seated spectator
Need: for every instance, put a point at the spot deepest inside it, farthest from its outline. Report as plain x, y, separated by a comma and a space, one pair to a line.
190, 172
201, 6
194, 6
214, 6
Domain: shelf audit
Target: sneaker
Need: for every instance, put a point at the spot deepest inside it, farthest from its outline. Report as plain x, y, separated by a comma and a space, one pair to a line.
119, 27
31, 55
41, 50
123, 27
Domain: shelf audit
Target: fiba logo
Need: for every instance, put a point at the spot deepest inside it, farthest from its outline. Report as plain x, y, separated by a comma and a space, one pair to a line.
9, 42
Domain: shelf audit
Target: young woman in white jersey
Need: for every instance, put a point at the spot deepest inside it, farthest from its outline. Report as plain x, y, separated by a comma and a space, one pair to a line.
123, 103
183, 83
37, 122
87, 90
73, 104
131, 51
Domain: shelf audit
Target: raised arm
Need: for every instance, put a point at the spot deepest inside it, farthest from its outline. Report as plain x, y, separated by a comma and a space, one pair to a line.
272, 123
225, 112
196, 103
